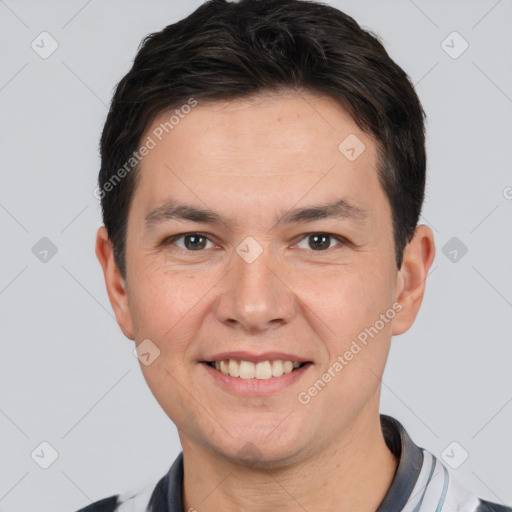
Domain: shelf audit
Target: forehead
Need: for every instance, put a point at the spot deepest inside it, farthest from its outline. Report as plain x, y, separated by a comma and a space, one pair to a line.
257, 151
298, 122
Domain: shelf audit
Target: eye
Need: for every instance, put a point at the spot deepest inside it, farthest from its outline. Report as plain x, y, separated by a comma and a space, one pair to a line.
191, 241
320, 241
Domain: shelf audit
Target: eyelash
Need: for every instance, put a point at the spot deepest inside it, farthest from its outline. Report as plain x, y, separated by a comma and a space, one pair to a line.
342, 241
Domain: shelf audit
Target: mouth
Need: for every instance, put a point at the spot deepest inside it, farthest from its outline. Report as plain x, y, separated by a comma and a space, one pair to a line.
262, 370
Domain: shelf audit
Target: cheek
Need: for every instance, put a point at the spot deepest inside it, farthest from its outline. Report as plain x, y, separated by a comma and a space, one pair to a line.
347, 299
166, 308
168, 387
161, 301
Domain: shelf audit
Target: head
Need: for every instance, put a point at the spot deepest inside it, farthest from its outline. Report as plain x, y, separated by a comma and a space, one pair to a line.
262, 176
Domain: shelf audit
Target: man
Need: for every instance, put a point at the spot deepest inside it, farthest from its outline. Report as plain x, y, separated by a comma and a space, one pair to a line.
263, 171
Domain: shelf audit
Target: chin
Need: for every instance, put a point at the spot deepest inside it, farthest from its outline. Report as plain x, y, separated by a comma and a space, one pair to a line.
251, 455
263, 448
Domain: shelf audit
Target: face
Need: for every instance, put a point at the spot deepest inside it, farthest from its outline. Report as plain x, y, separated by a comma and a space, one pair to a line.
288, 264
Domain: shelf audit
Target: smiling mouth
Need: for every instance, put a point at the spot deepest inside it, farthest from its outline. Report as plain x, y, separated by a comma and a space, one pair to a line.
262, 370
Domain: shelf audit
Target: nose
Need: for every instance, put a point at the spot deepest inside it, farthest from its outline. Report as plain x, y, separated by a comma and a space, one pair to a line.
254, 296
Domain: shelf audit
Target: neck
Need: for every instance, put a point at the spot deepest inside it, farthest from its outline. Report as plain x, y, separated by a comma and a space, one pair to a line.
353, 474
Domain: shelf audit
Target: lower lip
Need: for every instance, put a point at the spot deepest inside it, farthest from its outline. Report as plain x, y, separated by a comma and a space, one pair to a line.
256, 387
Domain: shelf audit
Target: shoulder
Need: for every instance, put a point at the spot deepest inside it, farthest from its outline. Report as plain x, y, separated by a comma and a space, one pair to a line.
162, 495
127, 502
130, 501
487, 506
448, 493
109, 504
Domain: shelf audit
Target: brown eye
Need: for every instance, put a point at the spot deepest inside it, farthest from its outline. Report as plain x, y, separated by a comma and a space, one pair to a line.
191, 241
194, 242
319, 241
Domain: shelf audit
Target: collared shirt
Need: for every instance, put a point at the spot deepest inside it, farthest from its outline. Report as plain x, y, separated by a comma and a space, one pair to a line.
421, 484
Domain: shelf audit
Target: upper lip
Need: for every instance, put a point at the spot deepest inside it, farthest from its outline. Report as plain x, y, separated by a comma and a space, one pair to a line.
256, 358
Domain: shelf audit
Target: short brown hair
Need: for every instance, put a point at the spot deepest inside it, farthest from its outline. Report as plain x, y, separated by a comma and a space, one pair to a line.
226, 50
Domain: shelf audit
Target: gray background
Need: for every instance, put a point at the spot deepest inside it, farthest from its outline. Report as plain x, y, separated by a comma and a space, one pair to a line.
67, 374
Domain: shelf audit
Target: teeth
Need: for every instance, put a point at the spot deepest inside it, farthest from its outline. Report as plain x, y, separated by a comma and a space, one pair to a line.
287, 366
277, 368
248, 370
234, 368
263, 370
224, 368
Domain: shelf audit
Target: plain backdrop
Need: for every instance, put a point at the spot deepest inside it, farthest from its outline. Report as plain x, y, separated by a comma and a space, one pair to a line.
68, 376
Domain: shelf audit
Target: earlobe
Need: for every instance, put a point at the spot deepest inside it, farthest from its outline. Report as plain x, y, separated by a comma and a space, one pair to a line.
115, 283
417, 260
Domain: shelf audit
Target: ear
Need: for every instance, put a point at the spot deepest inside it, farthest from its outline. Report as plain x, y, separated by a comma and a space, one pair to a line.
114, 281
417, 259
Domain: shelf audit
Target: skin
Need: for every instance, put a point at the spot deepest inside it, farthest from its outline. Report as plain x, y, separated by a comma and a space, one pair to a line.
251, 161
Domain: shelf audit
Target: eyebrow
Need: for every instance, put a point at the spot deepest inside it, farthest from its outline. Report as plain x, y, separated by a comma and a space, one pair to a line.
173, 210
